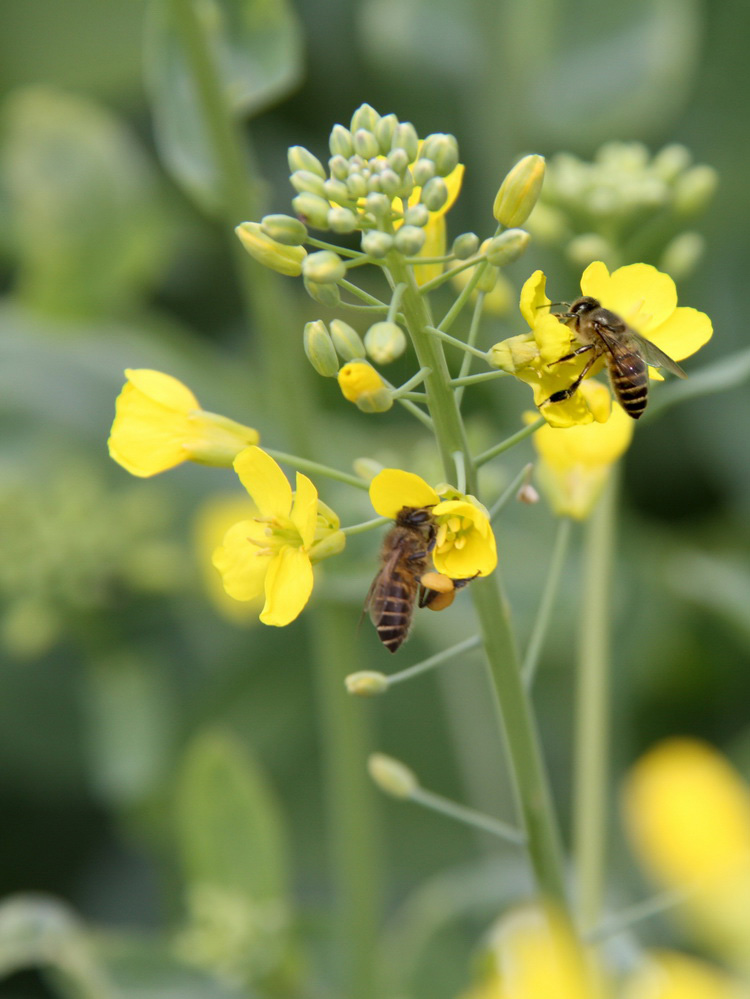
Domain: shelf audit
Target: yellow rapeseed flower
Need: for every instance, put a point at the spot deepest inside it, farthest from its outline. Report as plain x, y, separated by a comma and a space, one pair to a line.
642, 296
361, 384
575, 462
213, 520
436, 230
464, 543
159, 424
273, 553
688, 814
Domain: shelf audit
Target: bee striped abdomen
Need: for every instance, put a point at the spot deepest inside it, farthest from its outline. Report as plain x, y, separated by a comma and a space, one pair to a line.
630, 383
395, 607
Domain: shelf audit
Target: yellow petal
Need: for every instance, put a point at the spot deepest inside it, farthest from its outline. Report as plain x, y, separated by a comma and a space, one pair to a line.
161, 388
453, 182
392, 489
669, 975
683, 333
243, 563
434, 246
289, 583
305, 509
534, 298
642, 295
265, 482
213, 520
151, 427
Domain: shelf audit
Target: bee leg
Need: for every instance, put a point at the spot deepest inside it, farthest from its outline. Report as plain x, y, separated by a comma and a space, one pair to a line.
566, 393
575, 353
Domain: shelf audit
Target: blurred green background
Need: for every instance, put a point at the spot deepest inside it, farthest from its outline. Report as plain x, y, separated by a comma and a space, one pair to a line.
123, 683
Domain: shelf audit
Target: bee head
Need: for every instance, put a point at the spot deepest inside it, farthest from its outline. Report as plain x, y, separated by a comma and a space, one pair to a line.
413, 516
582, 306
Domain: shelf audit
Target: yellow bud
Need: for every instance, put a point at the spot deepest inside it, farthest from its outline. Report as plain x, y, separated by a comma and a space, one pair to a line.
284, 229
365, 117
507, 247
306, 180
340, 142
405, 137
300, 158
361, 384
519, 191
366, 683
391, 776
284, 259
312, 209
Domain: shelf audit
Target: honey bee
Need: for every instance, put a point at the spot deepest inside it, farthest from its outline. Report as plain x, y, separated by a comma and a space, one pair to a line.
626, 353
404, 556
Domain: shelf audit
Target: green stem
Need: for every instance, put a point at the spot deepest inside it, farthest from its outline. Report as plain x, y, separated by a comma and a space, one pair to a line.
541, 624
484, 376
437, 660
638, 913
315, 468
524, 751
509, 442
468, 816
471, 341
510, 490
366, 525
455, 342
592, 720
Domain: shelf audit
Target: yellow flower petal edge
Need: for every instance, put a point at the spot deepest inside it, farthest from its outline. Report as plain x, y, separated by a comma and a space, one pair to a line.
289, 583
392, 489
264, 481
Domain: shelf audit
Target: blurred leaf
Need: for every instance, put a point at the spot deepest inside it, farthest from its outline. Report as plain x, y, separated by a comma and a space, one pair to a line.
131, 717
81, 204
229, 827
720, 585
257, 49
38, 931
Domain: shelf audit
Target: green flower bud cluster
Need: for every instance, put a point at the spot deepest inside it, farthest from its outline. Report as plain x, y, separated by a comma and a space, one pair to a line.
374, 161
625, 205
325, 346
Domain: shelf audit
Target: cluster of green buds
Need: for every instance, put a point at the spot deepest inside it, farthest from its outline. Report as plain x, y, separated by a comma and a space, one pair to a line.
626, 205
394, 189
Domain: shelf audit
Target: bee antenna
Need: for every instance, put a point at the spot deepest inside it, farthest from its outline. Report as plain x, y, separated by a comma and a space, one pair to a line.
553, 305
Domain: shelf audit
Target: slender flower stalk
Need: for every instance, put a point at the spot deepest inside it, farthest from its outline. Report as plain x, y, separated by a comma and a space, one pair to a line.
541, 624
592, 712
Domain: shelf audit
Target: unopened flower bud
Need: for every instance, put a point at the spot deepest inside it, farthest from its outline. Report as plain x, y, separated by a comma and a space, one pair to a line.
338, 167
346, 340
336, 190
366, 683
376, 244
434, 194
365, 117
416, 215
527, 494
589, 246
390, 183
356, 185
378, 204
312, 209
326, 294
340, 142
405, 137
365, 143
465, 245
409, 240
300, 158
519, 192
682, 255
373, 184
284, 259
407, 185
284, 229
306, 180
319, 349
422, 171
670, 161
442, 149
324, 267
694, 189
342, 220
488, 279
361, 384
507, 247
384, 132
398, 161
392, 776
385, 342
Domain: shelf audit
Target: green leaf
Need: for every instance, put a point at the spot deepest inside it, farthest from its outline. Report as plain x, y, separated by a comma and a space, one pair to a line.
256, 50
81, 204
229, 826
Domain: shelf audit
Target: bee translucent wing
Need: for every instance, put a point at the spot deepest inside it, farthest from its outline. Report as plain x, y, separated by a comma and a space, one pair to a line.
657, 358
